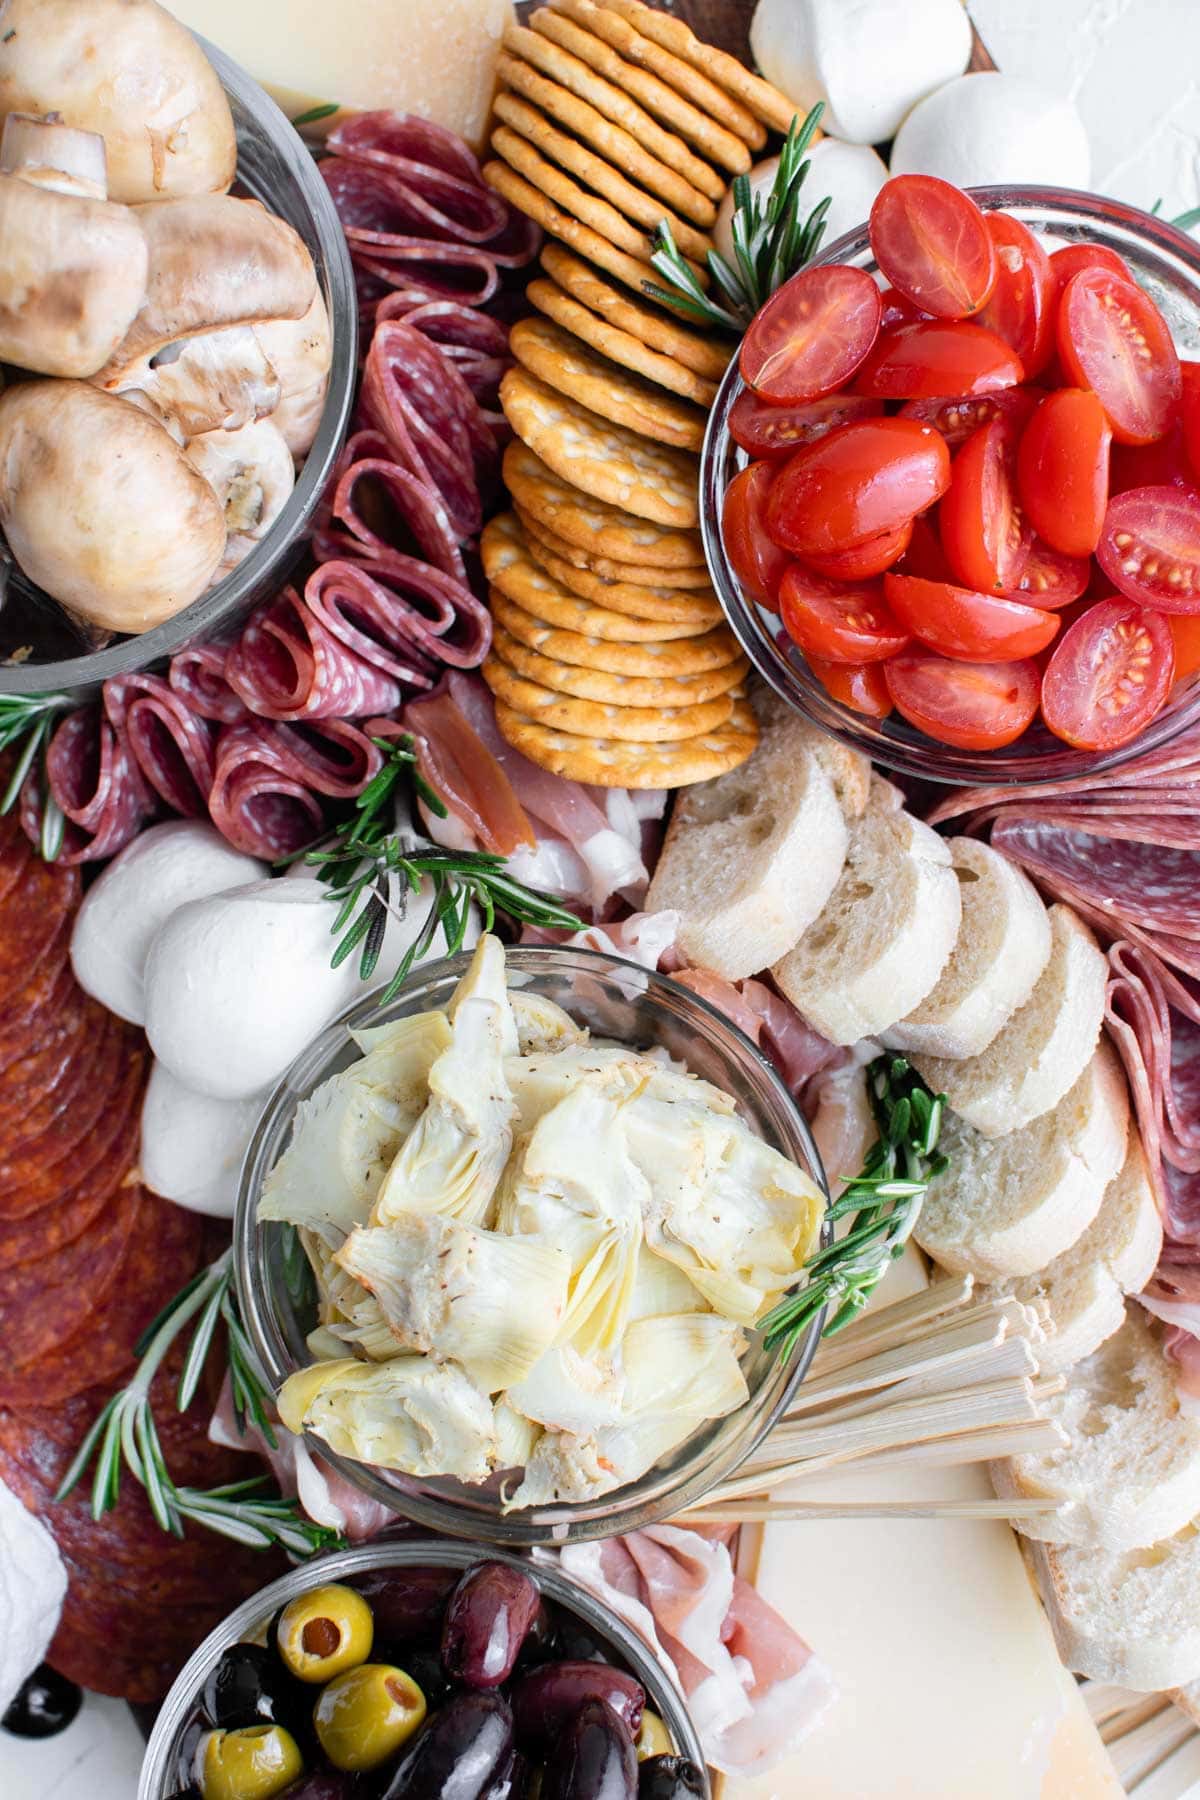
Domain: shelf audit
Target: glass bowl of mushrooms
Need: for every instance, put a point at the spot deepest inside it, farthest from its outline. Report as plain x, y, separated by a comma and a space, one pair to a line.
177, 386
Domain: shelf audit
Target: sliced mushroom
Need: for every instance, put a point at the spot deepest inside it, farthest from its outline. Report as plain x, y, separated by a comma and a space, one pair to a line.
73, 265
130, 71
300, 352
101, 508
218, 381
251, 473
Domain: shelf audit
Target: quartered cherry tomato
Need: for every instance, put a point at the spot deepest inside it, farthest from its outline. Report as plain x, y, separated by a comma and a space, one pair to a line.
1150, 547
898, 309
755, 558
1050, 580
862, 561
854, 484
1108, 676
968, 626
957, 418
1185, 633
1073, 257
974, 706
766, 429
838, 623
1190, 414
812, 334
1113, 339
936, 357
1021, 306
862, 686
1062, 470
925, 556
1164, 463
932, 243
984, 535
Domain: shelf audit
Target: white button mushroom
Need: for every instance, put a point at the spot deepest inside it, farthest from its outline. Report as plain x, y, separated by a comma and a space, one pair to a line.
101, 507
193, 1145
299, 351
990, 129
123, 909
870, 61
849, 174
251, 472
131, 72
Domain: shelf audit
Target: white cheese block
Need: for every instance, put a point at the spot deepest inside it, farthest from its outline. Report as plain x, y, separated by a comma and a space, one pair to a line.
436, 58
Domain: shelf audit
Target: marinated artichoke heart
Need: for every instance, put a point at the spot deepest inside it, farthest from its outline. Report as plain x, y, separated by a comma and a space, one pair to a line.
541, 1025
412, 1413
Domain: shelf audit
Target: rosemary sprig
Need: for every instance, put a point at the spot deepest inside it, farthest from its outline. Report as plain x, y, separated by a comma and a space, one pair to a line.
315, 114
885, 1199
28, 720
126, 1432
771, 241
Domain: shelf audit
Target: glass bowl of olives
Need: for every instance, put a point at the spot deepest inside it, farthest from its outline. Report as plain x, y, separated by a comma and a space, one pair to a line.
423, 1671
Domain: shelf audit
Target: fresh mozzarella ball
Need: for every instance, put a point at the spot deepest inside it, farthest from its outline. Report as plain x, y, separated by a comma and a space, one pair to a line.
989, 129
408, 915
33, 1581
849, 174
123, 910
239, 983
193, 1145
870, 61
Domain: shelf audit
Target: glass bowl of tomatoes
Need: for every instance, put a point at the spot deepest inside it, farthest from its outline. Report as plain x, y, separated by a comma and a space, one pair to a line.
951, 484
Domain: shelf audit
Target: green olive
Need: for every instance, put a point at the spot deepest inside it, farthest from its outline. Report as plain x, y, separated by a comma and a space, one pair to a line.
363, 1716
251, 1763
322, 1633
653, 1739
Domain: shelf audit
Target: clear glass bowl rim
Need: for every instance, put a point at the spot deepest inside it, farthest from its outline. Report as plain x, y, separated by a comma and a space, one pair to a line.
629, 1508
560, 1587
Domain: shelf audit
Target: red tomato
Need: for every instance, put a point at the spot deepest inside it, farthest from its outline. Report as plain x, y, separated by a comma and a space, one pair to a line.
932, 243
863, 561
1113, 339
1062, 470
974, 706
1072, 257
840, 624
936, 357
1164, 463
1050, 580
957, 418
967, 626
858, 482
925, 556
811, 336
898, 309
765, 429
984, 535
861, 686
757, 562
1109, 675
1021, 307
1185, 633
1150, 547
1191, 414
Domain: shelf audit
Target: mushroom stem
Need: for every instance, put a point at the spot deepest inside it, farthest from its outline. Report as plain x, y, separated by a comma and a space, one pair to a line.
48, 154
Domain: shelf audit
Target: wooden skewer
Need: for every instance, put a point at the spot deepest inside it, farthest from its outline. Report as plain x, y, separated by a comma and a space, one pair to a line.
768, 1512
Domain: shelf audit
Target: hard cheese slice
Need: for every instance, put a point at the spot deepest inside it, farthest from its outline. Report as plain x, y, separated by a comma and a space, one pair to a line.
436, 58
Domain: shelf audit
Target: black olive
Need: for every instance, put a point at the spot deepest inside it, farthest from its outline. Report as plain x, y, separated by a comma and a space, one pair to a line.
460, 1754
44, 1705
423, 1663
249, 1686
670, 1778
573, 1642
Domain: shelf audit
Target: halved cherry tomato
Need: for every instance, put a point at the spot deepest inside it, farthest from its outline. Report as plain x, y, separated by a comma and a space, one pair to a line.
861, 686
1164, 463
1185, 633
1150, 547
812, 335
1109, 675
936, 357
1191, 414
854, 484
967, 626
932, 243
1050, 580
984, 535
1072, 257
754, 557
765, 429
1021, 307
1113, 339
838, 623
1062, 470
925, 556
898, 309
862, 561
974, 706
957, 418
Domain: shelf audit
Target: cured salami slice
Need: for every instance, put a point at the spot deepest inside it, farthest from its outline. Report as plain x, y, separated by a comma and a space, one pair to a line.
431, 420
31, 918
42, 1309
388, 139
63, 1219
288, 664
198, 677
420, 268
96, 784
30, 1159
268, 776
475, 343
401, 614
394, 195
374, 497
172, 745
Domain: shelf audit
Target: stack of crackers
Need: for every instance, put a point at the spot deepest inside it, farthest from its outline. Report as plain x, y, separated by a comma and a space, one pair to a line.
611, 663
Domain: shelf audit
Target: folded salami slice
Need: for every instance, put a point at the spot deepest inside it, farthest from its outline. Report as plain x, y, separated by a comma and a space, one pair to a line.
97, 785
401, 614
172, 745
288, 664
374, 496
422, 268
198, 677
268, 776
388, 138
431, 420
393, 194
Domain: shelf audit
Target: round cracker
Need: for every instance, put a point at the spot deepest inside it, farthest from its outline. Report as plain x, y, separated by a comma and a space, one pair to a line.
693, 580
669, 605
705, 355
592, 718
763, 99
510, 568
681, 656
591, 523
560, 360
618, 345
537, 206
617, 690
608, 762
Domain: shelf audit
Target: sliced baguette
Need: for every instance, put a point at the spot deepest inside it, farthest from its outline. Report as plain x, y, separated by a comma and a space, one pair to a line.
849, 770
1129, 1616
885, 934
1082, 1292
1009, 1206
1002, 949
1042, 1051
751, 857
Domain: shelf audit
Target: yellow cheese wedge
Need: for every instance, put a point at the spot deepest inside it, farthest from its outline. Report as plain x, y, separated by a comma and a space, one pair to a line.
436, 58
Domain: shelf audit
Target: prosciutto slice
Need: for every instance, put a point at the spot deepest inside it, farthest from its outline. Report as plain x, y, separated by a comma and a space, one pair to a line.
288, 664
461, 770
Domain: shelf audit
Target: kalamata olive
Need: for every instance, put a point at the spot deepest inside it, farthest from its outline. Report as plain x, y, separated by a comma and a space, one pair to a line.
325, 1784
670, 1778
407, 1603
547, 1699
593, 1759
250, 1685
324, 1631
575, 1643
459, 1754
43, 1705
364, 1715
487, 1619
513, 1784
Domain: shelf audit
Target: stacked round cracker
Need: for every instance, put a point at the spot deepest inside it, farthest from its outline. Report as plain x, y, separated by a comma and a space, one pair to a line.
611, 663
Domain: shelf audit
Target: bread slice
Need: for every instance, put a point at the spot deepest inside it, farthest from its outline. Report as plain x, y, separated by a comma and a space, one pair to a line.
751, 857
1129, 1616
1042, 1051
1009, 1206
885, 935
1002, 949
849, 770
1082, 1292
